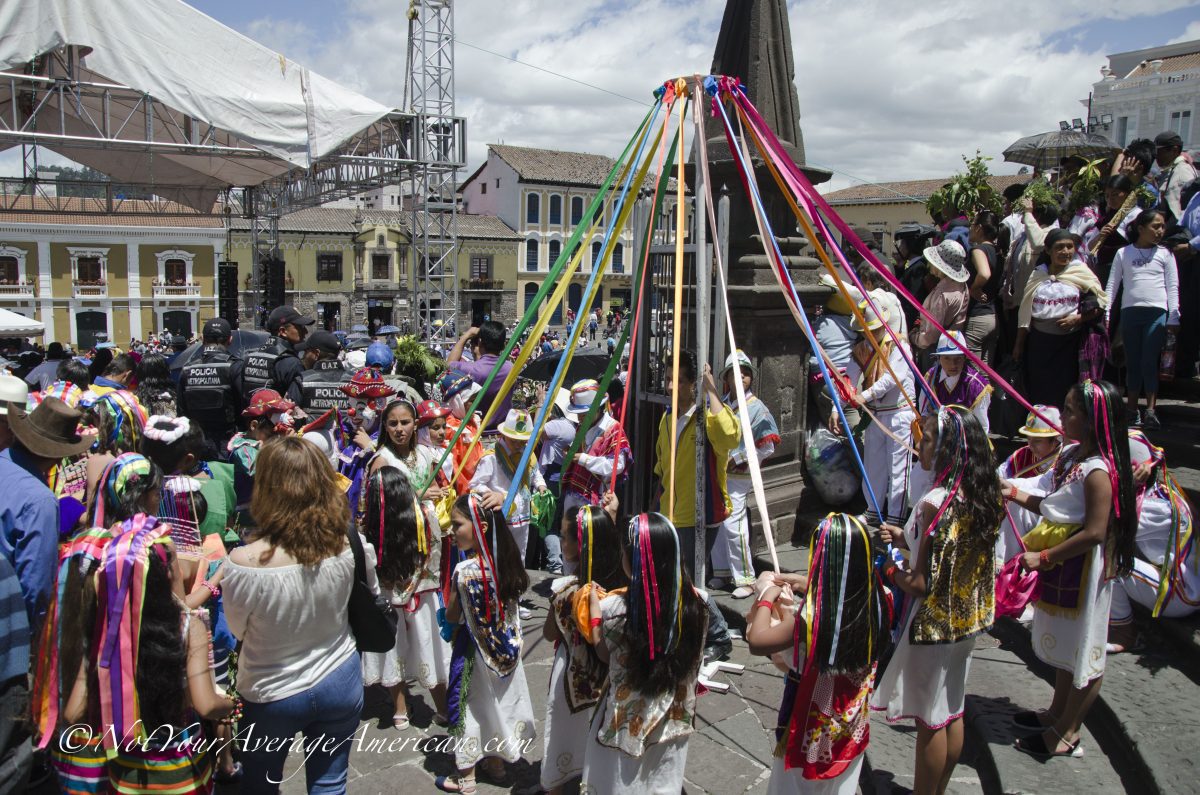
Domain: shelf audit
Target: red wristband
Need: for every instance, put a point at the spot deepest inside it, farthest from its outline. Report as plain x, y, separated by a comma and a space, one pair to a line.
595, 622
1044, 557
764, 603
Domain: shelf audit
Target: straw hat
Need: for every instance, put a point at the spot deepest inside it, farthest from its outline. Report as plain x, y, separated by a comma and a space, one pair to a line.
874, 321
583, 394
12, 389
517, 426
1036, 426
946, 346
950, 258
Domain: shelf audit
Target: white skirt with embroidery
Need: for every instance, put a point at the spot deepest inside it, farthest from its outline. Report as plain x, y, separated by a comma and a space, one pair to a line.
419, 655
564, 733
1077, 643
924, 682
499, 717
792, 782
610, 771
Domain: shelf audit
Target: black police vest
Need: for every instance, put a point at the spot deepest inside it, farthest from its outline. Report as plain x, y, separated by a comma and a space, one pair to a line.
320, 387
208, 387
259, 372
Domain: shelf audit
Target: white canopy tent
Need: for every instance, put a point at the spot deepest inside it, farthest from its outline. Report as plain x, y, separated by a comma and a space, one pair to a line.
15, 325
155, 92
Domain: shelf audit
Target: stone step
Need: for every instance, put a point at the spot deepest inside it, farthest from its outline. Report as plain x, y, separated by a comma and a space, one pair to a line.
1145, 716
999, 685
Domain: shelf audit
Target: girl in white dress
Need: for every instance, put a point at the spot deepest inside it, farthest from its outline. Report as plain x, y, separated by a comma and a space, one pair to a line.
835, 638
651, 635
490, 713
949, 581
578, 675
1086, 537
408, 547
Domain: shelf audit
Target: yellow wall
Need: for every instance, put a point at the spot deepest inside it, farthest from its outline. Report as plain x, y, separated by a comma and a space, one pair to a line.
884, 217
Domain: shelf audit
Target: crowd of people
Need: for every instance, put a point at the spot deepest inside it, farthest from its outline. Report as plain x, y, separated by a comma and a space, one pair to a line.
225, 541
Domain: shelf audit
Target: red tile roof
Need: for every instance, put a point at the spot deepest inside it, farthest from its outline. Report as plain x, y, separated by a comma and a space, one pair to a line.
913, 190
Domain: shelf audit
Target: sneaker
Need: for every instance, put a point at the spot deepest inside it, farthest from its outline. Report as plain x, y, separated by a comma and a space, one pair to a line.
1150, 420
718, 651
525, 613
1135, 419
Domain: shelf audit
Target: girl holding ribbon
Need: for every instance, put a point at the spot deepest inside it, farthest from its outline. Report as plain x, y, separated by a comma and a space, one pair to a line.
1085, 537
949, 575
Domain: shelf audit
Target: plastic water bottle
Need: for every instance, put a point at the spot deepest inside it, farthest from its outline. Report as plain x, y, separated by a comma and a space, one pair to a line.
1166, 361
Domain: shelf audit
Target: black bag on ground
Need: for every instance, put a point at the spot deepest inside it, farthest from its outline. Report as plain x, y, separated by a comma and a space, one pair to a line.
372, 619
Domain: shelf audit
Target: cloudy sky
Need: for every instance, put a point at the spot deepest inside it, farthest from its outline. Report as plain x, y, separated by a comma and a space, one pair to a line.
889, 89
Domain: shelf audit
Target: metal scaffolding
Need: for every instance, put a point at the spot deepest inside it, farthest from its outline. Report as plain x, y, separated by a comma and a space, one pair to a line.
433, 195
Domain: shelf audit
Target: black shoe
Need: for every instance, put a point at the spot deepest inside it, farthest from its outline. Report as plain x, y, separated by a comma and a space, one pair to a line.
1027, 719
718, 651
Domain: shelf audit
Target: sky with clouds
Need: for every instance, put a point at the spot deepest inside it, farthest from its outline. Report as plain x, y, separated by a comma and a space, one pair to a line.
889, 89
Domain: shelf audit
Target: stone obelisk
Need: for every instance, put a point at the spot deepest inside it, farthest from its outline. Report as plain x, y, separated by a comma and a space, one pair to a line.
755, 44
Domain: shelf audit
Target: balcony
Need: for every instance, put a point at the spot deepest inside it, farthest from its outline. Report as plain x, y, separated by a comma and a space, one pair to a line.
175, 291
481, 284
16, 290
90, 289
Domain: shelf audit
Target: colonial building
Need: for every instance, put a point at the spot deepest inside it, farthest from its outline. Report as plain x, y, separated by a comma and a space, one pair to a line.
543, 194
883, 206
1145, 92
119, 276
350, 266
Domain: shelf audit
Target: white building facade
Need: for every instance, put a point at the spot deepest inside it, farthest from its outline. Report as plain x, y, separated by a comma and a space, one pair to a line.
1145, 92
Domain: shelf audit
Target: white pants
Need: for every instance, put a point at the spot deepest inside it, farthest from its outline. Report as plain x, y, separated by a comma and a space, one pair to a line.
887, 464
1141, 586
731, 551
520, 534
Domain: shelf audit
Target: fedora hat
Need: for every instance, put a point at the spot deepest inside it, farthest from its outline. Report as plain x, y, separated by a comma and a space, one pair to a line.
946, 346
50, 431
950, 258
874, 321
743, 362
1036, 426
517, 425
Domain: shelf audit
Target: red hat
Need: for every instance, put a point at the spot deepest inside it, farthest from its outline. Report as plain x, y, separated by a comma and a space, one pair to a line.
367, 383
430, 410
265, 401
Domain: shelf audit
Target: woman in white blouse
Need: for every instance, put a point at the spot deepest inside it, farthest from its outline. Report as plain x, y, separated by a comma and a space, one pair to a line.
286, 596
1149, 309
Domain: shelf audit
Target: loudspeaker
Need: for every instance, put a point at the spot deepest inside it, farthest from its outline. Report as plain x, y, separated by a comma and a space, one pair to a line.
274, 270
227, 292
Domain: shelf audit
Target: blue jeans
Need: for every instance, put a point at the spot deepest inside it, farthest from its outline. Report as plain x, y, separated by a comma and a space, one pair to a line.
328, 714
1144, 332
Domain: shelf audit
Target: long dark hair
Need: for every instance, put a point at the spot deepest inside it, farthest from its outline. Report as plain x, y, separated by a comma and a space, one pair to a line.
964, 458
845, 612
1101, 403
155, 389
385, 439
664, 632
162, 652
390, 522
599, 547
491, 530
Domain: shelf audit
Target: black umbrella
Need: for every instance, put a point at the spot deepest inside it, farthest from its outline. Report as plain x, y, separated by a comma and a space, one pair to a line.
1044, 150
583, 365
244, 341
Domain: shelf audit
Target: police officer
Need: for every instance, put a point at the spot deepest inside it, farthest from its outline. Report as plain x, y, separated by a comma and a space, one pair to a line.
320, 386
275, 365
210, 387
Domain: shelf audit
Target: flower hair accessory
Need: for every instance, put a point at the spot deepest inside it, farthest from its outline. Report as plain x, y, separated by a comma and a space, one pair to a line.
178, 426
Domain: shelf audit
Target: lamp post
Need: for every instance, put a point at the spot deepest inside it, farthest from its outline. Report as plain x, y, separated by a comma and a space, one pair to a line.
357, 299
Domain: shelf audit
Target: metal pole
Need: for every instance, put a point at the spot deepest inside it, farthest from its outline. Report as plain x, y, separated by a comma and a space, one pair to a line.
722, 242
703, 305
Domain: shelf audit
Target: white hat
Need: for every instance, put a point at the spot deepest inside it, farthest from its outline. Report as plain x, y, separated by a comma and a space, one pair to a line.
517, 425
1036, 426
874, 321
743, 362
12, 389
356, 360
323, 441
946, 346
950, 258
562, 399
583, 394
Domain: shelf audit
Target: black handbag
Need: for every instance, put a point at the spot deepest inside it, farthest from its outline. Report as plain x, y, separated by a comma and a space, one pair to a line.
372, 619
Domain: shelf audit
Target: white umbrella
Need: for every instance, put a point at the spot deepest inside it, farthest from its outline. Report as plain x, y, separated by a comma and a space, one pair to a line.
15, 325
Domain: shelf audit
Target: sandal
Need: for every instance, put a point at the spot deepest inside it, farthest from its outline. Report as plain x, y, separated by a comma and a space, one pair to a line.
455, 784
1137, 647
1035, 746
492, 771
400, 721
